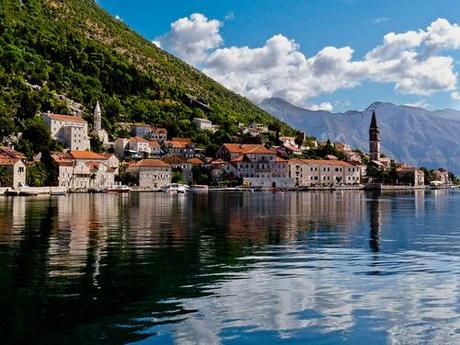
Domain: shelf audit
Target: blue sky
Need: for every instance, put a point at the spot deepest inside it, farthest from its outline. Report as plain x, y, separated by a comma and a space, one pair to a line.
313, 25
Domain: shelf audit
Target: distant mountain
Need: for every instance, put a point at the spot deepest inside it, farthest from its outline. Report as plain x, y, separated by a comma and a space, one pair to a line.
412, 135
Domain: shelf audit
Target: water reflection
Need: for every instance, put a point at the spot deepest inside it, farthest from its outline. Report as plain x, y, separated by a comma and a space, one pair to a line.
342, 267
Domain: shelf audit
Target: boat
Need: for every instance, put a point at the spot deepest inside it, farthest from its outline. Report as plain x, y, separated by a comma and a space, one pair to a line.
175, 188
199, 188
437, 185
58, 192
119, 188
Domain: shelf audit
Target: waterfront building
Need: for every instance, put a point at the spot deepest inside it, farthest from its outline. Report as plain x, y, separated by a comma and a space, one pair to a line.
442, 175
70, 131
151, 173
257, 165
14, 164
15, 171
205, 125
406, 175
320, 172
82, 170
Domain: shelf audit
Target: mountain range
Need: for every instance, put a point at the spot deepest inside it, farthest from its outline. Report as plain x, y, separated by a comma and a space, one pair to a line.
413, 135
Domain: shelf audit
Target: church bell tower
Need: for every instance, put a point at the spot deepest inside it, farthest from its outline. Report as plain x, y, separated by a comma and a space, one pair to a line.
97, 118
374, 139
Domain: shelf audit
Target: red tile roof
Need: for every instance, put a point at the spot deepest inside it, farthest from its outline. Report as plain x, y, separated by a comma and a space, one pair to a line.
154, 144
183, 140
138, 140
154, 163
8, 161
247, 148
66, 118
174, 160
87, 155
195, 161
8, 152
319, 162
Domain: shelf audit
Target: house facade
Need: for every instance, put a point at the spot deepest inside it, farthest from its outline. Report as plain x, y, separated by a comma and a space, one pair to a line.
70, 131
151, 173
205, 125
13, 163
82, 170
312, 172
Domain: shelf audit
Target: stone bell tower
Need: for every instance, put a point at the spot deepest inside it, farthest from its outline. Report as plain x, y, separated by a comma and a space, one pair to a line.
374, 139
97, 118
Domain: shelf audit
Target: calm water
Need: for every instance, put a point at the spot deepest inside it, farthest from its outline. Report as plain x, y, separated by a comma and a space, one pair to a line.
317, 268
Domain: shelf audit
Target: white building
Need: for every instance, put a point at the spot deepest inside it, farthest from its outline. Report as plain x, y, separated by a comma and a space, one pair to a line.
71, 131
149, 132
257, 165
13, 162
151, 173
312, 172
82, 170
205, 125
136, 147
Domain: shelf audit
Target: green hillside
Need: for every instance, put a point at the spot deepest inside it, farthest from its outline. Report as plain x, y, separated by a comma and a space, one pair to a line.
76, 49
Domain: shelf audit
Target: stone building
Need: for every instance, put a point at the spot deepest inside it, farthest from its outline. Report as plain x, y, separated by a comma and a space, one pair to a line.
70, 131
151, 173
13, 162
312, 172
83, 170
257, 165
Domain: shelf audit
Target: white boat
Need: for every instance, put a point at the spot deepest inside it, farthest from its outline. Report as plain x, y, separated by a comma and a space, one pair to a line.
199, 188
176, 188
119, 188
437, 185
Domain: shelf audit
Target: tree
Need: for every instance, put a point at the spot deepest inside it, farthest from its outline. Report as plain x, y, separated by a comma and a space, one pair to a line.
37, 174
36, 135
299, 139
5, 176
177, 177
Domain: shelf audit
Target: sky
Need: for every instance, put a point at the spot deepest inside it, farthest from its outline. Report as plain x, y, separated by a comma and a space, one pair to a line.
335, 55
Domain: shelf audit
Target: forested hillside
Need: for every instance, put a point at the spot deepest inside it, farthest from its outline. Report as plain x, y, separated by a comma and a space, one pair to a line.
73, 48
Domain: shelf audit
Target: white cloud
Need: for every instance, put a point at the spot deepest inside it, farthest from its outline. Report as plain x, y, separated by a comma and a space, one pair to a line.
455, 96
229, 16
191, 38
412, 61
422, 103
323, 106
380, 20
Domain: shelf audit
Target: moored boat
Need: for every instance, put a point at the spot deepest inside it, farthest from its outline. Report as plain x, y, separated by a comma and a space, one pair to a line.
175, 188
119, 189
198, 188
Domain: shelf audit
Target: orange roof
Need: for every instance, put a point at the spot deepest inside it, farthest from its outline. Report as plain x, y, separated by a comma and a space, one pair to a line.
66, 118
195, 161
183, 140
154, 144
319, 162
90, 155
8, 161
154, 163
174, 160
8, 152
246, 148
177, 144
138, 140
